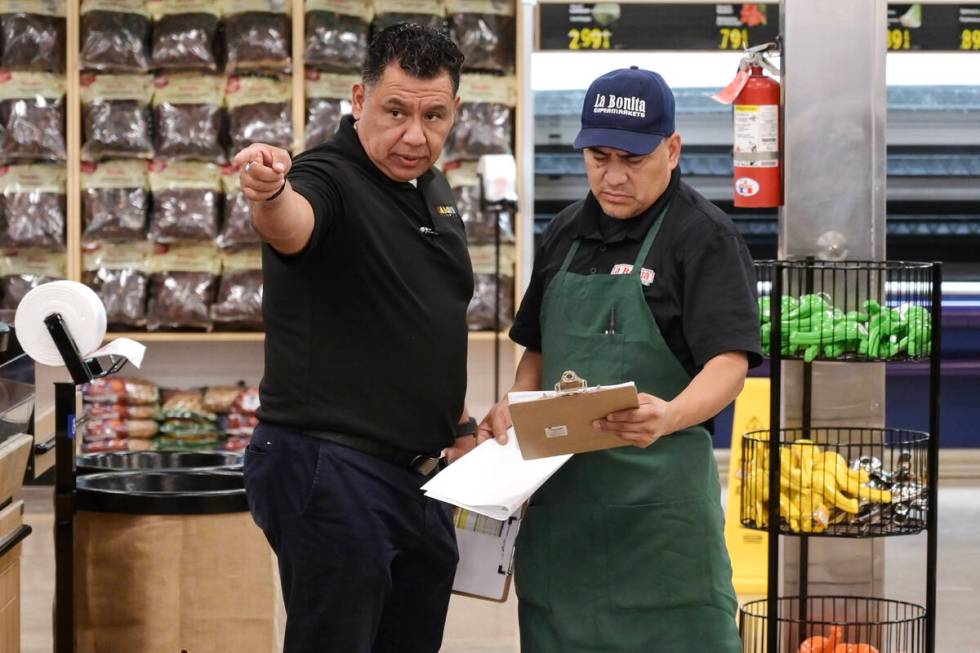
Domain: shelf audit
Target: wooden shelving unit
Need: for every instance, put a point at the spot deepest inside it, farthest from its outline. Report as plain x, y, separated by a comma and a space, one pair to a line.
298, 86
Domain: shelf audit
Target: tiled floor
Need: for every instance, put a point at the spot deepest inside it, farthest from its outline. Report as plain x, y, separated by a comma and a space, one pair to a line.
483, 627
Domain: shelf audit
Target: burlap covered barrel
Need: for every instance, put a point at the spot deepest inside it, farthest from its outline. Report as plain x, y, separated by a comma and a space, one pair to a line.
169, 561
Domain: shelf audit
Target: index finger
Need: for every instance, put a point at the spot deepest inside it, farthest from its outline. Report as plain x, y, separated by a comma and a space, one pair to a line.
265, 174
500, 423
251, 153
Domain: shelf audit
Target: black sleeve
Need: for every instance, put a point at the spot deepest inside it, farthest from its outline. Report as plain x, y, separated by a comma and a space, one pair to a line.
526, 330
311, 177
721, 312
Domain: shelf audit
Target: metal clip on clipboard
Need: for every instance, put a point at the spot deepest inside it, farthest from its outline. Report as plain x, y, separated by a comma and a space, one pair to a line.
570, 383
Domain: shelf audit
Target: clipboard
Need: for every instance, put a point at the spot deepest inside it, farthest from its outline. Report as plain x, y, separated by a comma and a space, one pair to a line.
486, 555
562, 423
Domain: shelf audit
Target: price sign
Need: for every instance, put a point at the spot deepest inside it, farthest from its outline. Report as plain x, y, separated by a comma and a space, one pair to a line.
935, 27
656, 26
735, 26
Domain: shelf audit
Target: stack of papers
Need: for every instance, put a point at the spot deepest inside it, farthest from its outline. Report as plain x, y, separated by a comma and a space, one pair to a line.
493, 479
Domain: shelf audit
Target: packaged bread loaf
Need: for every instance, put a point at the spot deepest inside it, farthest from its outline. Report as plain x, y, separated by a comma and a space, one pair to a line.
121, 390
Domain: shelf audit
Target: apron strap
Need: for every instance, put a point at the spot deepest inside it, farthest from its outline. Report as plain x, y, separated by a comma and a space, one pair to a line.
569, 256
644, 249
648, 242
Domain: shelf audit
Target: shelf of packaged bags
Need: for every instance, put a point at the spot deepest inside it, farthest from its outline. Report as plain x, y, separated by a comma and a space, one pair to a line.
247, 336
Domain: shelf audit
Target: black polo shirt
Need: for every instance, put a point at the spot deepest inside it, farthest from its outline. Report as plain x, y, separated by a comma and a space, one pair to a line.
702, 294
366, 328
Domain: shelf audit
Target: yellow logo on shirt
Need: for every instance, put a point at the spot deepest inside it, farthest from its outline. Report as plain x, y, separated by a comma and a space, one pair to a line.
446, 210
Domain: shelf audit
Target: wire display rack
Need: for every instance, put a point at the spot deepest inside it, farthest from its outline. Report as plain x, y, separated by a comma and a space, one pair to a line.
848, 482
839, 481
862, 625
848, 311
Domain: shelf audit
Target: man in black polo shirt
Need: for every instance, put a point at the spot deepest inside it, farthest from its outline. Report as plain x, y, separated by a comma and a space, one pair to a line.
645, 281
367, 281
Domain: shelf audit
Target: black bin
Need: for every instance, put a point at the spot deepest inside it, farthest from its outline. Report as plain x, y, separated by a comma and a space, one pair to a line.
95, 463
170, 560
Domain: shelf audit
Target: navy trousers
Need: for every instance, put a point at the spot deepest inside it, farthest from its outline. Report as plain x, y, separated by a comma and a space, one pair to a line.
366, 560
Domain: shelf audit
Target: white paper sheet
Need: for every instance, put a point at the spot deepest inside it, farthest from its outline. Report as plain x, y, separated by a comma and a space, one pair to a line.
486, 554
493, 479
125, 347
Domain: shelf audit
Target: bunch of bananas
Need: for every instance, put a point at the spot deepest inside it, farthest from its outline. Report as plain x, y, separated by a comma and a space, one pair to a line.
816, 487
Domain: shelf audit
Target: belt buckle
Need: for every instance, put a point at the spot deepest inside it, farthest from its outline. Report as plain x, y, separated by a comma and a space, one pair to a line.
424, 465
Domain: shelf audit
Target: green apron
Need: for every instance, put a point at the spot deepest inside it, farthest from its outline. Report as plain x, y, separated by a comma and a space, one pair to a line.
623, 550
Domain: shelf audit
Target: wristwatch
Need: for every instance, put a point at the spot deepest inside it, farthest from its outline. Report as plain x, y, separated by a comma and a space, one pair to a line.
466, 428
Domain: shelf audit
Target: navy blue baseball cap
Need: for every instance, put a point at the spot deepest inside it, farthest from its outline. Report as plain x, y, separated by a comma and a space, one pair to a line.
627, 109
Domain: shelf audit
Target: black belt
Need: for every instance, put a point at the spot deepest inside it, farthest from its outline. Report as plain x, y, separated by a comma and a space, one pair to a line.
425, 464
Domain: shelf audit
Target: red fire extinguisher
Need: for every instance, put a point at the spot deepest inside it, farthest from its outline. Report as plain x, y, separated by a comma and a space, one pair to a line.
757, 178
757, 173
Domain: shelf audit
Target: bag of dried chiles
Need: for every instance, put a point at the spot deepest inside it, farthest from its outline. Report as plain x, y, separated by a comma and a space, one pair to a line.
327, 101
116, 116
185, 201
32, 115
115, 201
115, 36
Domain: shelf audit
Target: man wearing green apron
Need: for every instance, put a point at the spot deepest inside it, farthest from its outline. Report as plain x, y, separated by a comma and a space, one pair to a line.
645, 281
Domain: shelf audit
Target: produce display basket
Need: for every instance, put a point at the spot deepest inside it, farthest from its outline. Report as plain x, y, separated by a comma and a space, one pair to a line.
835, 624
839, 481
847, 310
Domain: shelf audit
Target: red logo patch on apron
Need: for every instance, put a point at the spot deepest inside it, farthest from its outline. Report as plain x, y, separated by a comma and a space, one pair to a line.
646, 275
622, 268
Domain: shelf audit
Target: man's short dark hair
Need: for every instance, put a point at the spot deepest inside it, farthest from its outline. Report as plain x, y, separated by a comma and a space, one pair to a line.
421, 51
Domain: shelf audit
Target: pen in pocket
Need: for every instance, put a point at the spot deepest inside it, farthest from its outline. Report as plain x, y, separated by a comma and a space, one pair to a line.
611, 329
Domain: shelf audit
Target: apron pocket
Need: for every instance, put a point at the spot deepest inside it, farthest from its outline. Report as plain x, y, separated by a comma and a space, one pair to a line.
596, 357
658, 555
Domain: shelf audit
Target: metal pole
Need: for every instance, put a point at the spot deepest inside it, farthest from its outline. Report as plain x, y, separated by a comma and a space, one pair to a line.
935, 363
804, 539
775, 382
64, 517
807, 427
